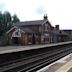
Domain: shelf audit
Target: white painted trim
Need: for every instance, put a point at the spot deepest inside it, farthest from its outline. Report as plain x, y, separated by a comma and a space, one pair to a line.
44, 22
16, 35
13, 28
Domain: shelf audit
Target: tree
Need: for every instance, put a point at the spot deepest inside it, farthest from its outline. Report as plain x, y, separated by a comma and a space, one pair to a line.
7, 16
6, 21
1, 23
15, 18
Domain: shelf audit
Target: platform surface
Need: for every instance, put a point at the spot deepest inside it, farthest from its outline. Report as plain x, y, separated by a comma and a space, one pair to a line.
10, 49
62, 65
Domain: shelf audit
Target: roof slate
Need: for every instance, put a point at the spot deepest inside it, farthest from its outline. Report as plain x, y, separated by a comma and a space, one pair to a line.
36, 22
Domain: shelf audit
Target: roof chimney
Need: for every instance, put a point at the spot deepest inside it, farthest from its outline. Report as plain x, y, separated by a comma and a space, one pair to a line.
45, 17
56, 27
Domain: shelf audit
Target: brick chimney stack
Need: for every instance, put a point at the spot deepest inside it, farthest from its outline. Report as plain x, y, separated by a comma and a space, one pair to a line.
56, 27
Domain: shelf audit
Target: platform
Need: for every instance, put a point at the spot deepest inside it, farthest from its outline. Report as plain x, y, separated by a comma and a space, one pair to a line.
62, 65
10, 49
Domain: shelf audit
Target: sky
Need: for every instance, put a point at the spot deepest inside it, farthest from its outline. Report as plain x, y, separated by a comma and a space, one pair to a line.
59, 12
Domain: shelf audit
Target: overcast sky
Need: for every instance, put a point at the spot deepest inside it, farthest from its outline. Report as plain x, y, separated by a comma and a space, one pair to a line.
58, 11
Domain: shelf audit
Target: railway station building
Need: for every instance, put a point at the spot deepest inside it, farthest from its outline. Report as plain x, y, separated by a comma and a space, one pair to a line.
35, 32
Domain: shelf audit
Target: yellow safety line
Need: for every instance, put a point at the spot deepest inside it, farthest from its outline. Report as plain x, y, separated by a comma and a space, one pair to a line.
65, 67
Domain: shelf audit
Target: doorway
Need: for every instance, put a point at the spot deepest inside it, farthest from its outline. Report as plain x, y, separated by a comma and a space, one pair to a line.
15, 40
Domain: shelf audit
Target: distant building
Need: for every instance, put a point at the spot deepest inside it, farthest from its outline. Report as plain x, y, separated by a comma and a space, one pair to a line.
69, 32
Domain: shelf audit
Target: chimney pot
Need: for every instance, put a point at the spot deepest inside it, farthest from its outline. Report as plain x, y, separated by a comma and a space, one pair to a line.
45, 17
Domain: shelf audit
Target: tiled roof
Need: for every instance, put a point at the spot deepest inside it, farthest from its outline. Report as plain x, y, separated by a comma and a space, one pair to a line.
36, 22
60, 32
68, 31
63, 32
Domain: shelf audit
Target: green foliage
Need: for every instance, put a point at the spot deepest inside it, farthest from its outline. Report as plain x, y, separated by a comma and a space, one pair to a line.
1, 23
15, 19
6, 21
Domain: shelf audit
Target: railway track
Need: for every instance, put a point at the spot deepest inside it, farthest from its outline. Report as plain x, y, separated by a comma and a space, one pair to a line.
35, 62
